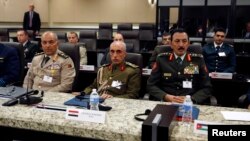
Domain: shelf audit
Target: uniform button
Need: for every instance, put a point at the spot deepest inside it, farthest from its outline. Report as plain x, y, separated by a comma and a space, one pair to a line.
177, 88
110, 77
216, 67
216, 60
179, 73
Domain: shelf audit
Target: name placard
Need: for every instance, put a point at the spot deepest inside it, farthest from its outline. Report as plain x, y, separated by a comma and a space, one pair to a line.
219, 75
85, 115
87, 67
146, 71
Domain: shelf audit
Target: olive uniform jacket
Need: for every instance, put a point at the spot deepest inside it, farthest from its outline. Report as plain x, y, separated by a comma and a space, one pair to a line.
168, 77
57, 74
119, 81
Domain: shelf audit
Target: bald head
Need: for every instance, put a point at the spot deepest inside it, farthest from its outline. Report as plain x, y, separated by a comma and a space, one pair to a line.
49, 43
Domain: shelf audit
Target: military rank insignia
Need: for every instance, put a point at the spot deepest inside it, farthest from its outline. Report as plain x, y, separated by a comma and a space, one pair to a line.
191, 69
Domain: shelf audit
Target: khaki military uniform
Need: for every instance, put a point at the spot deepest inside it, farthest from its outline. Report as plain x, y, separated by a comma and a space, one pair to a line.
188, 78
56, 75
119, 81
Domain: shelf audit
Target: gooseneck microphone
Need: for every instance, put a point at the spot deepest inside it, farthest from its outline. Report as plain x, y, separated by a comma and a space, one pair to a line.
28, 99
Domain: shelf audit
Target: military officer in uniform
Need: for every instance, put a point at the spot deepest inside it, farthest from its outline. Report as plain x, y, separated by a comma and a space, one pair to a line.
119, 78
50, 70
219, 56
179, 73
9, 65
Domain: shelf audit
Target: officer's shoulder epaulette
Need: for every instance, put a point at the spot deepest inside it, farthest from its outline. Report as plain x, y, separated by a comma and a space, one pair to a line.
164, 54
105, 65
63, 55
40, 53
196, 55
131, 65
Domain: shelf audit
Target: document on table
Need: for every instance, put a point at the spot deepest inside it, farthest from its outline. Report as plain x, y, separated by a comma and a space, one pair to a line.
231, 115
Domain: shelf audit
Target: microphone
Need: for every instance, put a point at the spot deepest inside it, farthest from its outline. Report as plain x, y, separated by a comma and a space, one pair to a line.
27, 98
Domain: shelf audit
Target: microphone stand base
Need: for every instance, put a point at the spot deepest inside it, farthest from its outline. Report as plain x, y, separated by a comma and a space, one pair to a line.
30, 100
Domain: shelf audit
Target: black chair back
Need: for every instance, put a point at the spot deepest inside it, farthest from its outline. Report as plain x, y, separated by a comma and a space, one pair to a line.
146, 31
132, 37
4, 35
105, 31
124, 27
73, 52
89, 38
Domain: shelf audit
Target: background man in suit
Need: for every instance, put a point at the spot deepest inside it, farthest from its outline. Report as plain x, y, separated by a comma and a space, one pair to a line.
73, 39
219, 56
50, 70
119, 78
30, 49
31, 20
9, 65
179, 73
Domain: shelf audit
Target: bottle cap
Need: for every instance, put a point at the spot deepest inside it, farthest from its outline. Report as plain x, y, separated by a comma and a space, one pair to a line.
93, 90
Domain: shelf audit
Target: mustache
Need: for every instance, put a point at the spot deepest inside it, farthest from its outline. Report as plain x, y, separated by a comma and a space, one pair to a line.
181, 48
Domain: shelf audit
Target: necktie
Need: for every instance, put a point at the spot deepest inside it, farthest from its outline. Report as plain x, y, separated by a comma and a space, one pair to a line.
217, 48
31, 16
179, 61
45, 60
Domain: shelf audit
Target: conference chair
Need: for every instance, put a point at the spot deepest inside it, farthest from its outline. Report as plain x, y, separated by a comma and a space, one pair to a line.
146, 31
20, 51
227, 41
4, 35
89, 38
73, 52
105, 31
132, 37
61, 37
124, 27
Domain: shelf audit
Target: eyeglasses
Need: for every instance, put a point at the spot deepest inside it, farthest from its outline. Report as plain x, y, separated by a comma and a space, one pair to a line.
51, 42
115, 51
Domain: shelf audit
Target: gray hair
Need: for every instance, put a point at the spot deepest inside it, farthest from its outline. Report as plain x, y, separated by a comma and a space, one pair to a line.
119, 43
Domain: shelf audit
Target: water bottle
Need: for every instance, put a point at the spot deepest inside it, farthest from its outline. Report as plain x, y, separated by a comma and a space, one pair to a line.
187, 111
94, 100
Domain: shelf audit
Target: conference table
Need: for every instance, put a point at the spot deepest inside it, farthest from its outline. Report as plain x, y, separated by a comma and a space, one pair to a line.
119, 124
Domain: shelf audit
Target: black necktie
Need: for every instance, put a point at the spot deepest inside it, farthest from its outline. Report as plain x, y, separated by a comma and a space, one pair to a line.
179, 61
45, 60
217, 48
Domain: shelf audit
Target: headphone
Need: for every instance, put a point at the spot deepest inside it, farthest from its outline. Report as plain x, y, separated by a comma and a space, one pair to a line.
137, 116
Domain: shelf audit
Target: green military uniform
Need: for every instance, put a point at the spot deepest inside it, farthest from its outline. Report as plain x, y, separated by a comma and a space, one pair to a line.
188, 78
119, 81
57, 74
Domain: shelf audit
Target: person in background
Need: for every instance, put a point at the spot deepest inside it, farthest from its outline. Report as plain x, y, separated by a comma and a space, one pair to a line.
246, 33
166, 38
30, 49
73, 39
51, 70
9, 65
178, 73
117, 37
31, 20
119, 78
219, 56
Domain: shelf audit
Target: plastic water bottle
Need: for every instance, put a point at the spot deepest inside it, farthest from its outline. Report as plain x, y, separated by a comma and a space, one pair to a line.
94, 100
187, 111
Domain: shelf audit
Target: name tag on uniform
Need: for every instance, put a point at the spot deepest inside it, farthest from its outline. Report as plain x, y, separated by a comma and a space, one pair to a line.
47, 78
222, 54
187, 84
